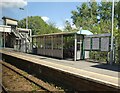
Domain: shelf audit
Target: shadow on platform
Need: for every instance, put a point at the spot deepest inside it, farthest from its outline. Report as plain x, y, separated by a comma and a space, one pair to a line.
108, 67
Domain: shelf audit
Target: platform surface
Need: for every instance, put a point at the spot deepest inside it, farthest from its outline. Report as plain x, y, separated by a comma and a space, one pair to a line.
102, 73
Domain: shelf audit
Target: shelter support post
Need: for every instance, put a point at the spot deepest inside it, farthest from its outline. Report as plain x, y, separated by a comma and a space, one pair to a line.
30, 44
52, 41
75, 48
62, 45
111, 51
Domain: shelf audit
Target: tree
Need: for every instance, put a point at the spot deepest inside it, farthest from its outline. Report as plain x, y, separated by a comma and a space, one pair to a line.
86, 17
38, 26
68, 27
52, 28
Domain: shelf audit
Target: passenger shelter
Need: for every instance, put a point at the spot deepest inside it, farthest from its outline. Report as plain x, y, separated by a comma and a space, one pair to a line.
60, 45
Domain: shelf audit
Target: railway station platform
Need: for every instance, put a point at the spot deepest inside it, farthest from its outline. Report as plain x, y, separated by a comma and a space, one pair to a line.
79, 75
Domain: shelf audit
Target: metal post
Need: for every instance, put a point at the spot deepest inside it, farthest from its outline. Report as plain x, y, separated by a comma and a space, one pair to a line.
26, 18
18, 46
30, 44
52, 42
26, 26
25, 45
4, 36
62, 45
111, 51
75, 48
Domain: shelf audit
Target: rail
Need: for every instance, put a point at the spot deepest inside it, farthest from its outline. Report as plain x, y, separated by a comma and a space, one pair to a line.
30, 78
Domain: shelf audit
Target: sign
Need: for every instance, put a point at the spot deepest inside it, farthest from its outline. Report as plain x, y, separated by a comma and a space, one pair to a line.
105, 44
95, 44
100, 42
4, 28
87, 43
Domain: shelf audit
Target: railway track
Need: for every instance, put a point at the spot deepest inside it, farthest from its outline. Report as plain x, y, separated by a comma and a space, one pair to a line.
47, 88
4, 90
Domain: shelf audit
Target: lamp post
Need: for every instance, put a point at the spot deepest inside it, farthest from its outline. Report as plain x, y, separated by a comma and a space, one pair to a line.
3, 27
26, 17
111, 49
3, 34
26, 27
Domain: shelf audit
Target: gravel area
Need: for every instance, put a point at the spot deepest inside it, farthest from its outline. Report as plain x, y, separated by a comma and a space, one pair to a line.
14, 82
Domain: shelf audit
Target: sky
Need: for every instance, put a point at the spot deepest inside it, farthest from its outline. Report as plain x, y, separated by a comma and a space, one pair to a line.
55, 12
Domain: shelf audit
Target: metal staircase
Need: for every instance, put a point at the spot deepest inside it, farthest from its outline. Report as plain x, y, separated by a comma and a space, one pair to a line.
16, 33
25, 44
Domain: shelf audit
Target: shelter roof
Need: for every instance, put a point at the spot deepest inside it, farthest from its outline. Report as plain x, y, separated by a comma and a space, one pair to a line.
53, 34
9, 18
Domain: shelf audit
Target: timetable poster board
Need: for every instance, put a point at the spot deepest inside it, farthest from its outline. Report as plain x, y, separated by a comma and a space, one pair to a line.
105, 41
87, 43
95, 44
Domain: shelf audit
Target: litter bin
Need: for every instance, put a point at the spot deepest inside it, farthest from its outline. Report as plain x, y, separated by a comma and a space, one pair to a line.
34, 51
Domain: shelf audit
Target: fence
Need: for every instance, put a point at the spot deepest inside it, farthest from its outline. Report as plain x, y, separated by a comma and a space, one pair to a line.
99, 47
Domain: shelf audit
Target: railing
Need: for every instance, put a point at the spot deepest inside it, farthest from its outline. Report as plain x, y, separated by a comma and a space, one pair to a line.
25, 44
23, 47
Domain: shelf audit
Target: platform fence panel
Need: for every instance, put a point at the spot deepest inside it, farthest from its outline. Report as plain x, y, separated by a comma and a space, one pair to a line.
98, 47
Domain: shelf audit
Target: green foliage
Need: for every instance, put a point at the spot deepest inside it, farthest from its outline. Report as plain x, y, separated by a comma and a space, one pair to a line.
97, 56
86, 17
38, 26
68, 27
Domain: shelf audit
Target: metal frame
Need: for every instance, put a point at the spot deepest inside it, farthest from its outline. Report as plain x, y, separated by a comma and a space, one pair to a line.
97, 36
55, 44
